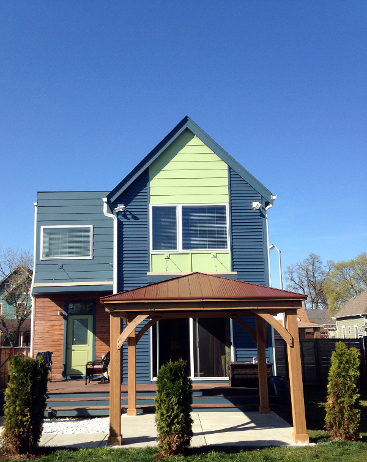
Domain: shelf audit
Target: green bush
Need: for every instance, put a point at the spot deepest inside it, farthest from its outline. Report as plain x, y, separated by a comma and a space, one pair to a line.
25, 403
173, 407
343, 413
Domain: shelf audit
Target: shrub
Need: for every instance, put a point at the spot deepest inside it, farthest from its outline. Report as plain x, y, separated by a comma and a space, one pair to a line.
25, 403
173, 407
342, 408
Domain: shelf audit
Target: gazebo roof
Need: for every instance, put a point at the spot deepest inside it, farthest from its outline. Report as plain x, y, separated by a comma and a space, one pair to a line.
201, 287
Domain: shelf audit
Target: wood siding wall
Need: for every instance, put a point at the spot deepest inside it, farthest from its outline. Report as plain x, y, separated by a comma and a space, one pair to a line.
249, 255
133, 261
75, 208
188, 172
49, 328
349, 322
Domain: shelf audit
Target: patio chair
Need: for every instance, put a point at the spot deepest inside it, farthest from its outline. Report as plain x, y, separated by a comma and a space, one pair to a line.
48, 360
98, 366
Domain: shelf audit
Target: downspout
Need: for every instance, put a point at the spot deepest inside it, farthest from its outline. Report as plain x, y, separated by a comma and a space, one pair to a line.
269, 206
33, 274
114, 217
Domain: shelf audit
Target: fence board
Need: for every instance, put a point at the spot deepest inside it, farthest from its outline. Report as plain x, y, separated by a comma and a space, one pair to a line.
315, 358
5, 352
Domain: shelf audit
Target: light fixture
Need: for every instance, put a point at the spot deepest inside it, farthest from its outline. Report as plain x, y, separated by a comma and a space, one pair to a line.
120, 208
256, 205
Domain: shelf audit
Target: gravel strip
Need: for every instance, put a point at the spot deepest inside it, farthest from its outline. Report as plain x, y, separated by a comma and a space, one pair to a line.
76, 426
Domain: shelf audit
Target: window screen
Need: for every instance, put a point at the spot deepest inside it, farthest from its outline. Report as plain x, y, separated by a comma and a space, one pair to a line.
73, 242
164, 228
204, 227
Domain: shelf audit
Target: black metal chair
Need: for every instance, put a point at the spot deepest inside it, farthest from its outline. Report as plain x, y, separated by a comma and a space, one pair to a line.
98, 366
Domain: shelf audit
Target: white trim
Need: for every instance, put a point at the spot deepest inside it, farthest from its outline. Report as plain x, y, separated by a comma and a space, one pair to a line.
72, 284
90, 257
33, 275
179, 228
114, 217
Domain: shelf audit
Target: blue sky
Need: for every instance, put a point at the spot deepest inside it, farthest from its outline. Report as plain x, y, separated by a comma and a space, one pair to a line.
88, 88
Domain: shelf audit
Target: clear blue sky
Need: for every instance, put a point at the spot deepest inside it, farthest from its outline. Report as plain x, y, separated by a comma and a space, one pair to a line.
88, 88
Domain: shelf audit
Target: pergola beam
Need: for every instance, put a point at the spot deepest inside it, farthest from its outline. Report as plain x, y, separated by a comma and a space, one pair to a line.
130, 328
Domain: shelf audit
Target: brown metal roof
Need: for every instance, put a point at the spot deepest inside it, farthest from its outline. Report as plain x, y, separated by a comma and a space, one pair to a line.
200, 286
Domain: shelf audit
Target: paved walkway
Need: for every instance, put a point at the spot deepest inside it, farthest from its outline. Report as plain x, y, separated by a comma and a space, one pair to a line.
233, 428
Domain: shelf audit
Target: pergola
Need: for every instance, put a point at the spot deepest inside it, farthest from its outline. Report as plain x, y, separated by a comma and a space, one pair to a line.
199, 295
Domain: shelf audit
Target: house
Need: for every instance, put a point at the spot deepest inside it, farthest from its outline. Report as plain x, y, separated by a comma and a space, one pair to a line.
15, 307
326, 327
351, 320
187, 207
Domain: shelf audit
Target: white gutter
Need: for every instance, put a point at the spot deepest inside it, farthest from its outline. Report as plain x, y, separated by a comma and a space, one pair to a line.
34, 272
114, 217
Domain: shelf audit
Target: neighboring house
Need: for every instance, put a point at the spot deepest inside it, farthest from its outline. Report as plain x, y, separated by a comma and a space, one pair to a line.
351, 320
326, 326
15, 307
188, 206
306, 327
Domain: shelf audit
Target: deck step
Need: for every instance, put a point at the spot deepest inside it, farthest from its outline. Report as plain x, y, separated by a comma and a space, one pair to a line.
97, 404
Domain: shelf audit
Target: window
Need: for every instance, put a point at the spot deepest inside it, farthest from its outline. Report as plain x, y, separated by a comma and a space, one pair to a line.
66, 242
189, 227
8, 286
1, 308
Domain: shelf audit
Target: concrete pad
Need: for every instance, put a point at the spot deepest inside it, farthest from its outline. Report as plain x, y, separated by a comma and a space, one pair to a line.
245, 429
74, 441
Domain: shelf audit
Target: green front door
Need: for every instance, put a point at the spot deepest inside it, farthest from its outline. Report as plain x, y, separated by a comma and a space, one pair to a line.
79, 343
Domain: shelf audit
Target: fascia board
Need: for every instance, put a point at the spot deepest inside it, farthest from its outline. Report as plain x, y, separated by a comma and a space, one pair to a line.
187, 123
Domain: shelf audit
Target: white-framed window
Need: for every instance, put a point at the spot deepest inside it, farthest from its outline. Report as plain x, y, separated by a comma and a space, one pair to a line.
343, 331
66, 242
355, 331
349, 331
189, 227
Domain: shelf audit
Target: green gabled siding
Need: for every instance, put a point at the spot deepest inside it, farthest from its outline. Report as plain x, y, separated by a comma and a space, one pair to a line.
188, 172
74, 208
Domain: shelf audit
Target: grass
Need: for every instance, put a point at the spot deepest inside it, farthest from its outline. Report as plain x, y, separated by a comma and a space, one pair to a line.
324, 450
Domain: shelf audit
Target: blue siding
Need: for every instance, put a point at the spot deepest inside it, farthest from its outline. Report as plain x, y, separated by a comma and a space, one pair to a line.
249, 255
248, 232
133, 261
75, 208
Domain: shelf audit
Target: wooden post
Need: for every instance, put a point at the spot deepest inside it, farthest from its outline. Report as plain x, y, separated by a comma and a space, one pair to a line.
261, 366
115, 437
299, 434
131, 371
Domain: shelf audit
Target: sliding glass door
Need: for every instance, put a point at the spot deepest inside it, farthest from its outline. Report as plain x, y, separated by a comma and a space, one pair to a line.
205, 345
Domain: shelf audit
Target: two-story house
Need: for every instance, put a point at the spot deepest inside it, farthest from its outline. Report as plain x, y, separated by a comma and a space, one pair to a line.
188, 206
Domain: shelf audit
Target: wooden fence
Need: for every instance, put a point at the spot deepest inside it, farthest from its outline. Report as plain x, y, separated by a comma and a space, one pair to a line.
315, 358
5, 354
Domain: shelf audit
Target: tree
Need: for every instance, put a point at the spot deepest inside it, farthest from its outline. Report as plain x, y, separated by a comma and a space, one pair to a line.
308, 278
16, 274
345, 280
343, 412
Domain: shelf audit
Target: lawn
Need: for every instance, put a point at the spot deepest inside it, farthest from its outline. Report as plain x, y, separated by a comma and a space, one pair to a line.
324, 450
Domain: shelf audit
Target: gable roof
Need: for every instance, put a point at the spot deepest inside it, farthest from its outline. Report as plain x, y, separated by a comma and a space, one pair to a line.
187, 123
27, 272
303, 320
356, 306
321, 317
201, 286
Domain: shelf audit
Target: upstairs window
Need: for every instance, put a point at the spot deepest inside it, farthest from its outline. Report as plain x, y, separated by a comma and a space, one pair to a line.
66, 242
189, 227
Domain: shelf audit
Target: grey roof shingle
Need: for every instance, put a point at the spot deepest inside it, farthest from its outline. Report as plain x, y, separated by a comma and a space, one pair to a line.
356, 305
320, 316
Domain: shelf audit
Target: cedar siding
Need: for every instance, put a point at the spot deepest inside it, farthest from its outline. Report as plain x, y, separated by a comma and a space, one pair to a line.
48, 330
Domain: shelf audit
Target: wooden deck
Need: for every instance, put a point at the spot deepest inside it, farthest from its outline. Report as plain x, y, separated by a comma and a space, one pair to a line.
75, 399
